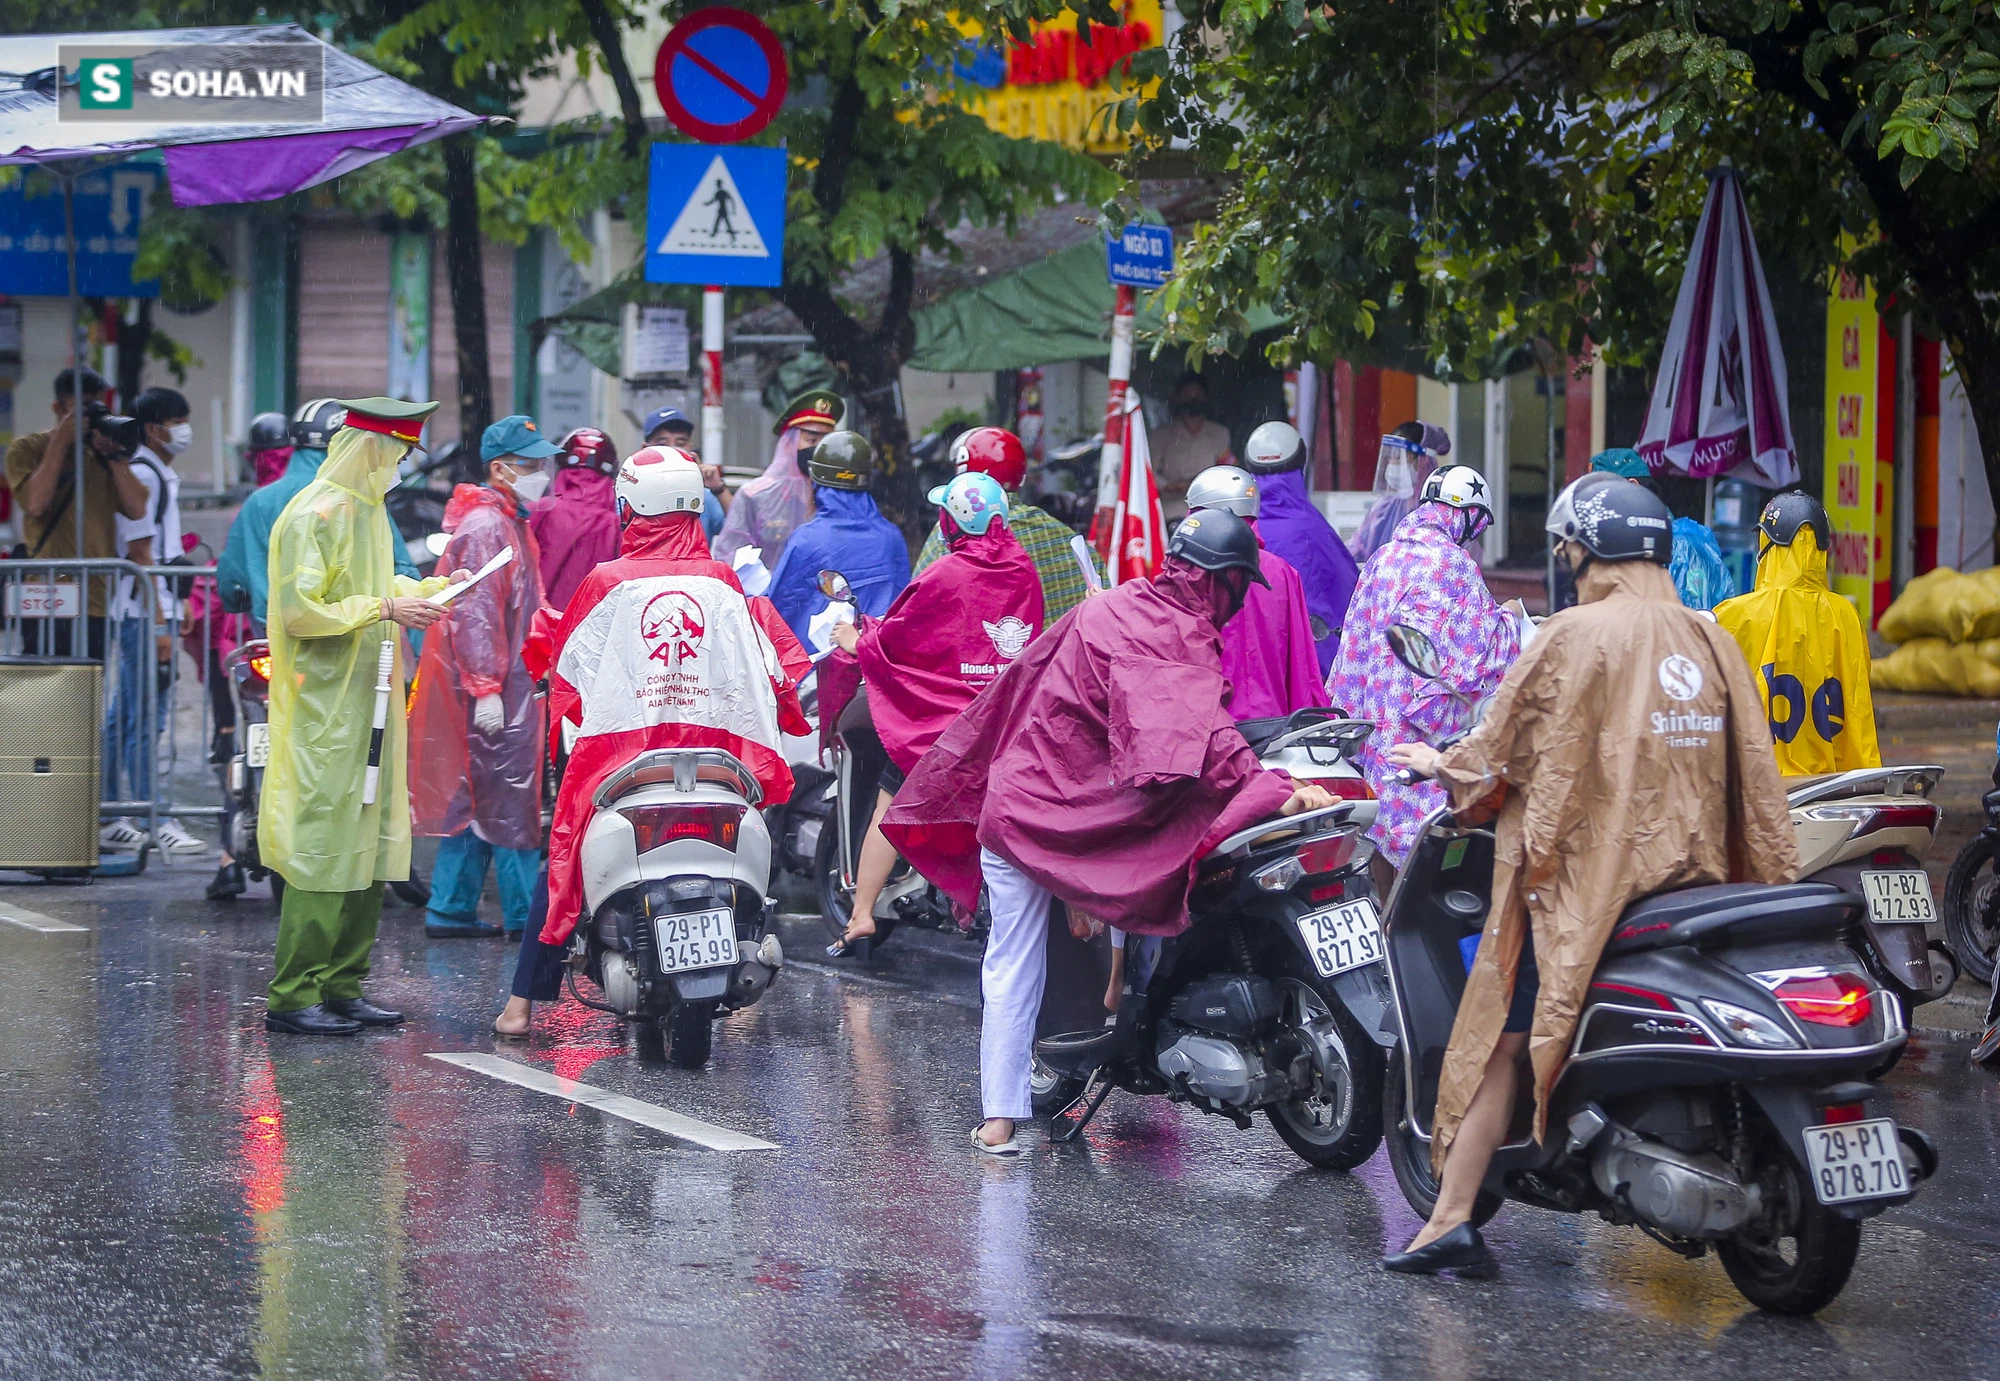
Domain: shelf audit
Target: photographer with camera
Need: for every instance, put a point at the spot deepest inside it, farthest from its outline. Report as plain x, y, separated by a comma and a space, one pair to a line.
41, 471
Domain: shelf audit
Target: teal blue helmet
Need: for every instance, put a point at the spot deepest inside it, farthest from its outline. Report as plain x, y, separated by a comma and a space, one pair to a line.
973, 500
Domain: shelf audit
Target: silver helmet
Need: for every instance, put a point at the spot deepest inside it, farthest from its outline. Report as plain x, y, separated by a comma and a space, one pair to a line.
1226, 487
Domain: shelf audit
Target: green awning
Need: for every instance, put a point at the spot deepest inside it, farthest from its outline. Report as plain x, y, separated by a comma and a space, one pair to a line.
1058, 309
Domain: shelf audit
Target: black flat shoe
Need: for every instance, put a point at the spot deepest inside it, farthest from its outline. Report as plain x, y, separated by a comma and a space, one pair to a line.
228, 883
1461, 1249
310, 1021
362, 1010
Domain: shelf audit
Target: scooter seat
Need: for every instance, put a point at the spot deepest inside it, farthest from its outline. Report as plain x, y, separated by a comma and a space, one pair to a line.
1733, 913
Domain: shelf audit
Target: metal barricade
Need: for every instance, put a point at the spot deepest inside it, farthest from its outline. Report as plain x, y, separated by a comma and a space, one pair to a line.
46, 614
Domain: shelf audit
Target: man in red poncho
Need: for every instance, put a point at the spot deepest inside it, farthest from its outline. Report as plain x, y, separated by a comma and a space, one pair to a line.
1098, 768
577, 524
950, 632
657, 649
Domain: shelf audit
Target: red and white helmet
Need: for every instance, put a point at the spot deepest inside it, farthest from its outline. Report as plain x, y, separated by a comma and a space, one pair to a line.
992, 451
659, 479
591, 448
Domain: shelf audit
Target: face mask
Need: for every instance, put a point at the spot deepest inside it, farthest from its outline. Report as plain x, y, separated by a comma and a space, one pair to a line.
531, 486
805, 453
180, 436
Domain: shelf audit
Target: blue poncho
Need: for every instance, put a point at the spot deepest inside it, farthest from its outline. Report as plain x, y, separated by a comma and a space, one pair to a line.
849, 535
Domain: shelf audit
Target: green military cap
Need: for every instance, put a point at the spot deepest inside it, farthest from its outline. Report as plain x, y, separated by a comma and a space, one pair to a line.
814, 405
389, 416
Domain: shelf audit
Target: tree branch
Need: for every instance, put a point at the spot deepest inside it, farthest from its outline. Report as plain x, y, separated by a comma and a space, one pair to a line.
604, 28
892, 335
843, 122
839, 337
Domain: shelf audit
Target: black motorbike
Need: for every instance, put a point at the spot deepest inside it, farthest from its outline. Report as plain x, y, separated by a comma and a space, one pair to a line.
1717, 1090
1273, 999
1972, 895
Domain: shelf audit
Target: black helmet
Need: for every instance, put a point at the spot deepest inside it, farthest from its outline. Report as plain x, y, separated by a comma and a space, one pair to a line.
1614, 522
842, 460
1217, 540
1788, 512
314, 424
269, 431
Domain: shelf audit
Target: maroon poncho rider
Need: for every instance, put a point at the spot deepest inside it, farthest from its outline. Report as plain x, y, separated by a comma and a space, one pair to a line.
577, 524
1098, 769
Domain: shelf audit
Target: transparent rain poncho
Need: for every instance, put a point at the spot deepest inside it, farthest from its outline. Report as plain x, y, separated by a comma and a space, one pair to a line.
332, 564
769, 509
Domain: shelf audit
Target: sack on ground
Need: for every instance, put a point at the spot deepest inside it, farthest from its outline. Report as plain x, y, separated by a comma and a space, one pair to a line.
1946, 604
1934, 666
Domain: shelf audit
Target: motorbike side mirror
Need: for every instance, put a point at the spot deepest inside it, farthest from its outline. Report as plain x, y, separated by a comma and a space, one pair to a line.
1415, 650
1321, 631
834, 586
437, 542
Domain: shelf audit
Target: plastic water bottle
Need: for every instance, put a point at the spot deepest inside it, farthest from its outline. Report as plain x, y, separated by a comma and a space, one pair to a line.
1737, 504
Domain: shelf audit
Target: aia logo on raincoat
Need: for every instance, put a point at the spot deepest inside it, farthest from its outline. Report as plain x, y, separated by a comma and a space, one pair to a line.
673, 625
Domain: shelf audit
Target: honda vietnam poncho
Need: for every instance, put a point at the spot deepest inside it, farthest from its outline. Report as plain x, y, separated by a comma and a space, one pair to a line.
952, 631
660, 649
1268, 656
1103, 763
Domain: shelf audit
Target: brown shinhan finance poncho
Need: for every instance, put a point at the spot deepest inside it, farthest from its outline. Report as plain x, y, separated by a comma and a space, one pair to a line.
1636, 757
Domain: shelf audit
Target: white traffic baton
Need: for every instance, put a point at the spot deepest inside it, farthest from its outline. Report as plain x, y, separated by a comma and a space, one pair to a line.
385, 666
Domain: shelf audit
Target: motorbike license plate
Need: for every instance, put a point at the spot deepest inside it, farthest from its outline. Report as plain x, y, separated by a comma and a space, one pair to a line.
1901, 896
257, 745
1343, 937
1856, 1160
696, 940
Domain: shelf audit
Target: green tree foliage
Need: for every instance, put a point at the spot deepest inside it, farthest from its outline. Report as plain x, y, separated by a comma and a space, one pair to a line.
1446, 182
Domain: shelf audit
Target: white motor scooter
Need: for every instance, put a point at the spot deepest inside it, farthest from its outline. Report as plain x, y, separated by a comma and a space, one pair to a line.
676, 866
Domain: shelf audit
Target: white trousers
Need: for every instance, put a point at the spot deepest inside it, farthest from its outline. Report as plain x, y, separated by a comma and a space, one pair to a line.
1011, 980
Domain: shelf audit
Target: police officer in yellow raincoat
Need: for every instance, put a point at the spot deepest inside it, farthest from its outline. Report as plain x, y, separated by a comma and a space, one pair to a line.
335, 600
1807, 649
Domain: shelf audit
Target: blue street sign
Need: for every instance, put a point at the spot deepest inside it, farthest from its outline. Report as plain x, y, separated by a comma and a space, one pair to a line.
1140, 256
110, 204
716, 216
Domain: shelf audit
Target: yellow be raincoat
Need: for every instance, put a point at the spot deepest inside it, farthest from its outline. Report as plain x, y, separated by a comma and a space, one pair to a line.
332, 564
1809, 656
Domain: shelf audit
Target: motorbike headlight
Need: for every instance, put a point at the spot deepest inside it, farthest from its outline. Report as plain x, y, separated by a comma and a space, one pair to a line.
1746, 1027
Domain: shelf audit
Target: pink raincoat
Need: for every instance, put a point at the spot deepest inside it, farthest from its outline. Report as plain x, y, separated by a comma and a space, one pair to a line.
1268, 655
949, 634
768, 510
460, 777
1423, 578
1103, 763
577, 527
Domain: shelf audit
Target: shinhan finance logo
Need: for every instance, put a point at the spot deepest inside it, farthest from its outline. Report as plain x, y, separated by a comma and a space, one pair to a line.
193, 83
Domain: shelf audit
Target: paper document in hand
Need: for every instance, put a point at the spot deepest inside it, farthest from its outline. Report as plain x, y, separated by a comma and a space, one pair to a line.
452, 592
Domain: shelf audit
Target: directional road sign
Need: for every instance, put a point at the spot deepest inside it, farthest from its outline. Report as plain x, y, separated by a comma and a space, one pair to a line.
721, 75
1140, 256
110, 204
716, 216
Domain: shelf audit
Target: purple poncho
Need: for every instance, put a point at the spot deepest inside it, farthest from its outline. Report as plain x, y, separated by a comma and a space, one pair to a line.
1420, 577
1292, 528
1268, 656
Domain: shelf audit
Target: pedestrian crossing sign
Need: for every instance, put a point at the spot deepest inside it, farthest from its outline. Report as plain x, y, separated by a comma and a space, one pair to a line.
716, 216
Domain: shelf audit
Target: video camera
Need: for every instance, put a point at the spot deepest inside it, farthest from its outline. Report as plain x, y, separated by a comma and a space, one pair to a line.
125, 434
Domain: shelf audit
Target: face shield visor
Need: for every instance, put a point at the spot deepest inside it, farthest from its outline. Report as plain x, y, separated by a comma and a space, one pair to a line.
1396, 468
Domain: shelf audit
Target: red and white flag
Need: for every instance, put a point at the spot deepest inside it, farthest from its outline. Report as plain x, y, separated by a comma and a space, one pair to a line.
1138, 538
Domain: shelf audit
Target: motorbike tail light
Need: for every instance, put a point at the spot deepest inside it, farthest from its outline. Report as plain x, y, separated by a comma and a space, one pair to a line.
1837, 999
1333, 891
1348, 788
653, 826
1326, 853
1914, 815
1844, 1112
260, 667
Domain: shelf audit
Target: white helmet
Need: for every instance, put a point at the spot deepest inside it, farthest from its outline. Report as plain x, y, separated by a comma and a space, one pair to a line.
1461, 486
1274, 448
659, 479
1226, 487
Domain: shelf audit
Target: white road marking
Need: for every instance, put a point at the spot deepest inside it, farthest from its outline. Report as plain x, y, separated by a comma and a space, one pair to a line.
645, 1114
35, 920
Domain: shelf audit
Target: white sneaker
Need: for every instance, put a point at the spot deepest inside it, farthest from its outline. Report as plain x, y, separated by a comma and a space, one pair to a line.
176, 840
120, 834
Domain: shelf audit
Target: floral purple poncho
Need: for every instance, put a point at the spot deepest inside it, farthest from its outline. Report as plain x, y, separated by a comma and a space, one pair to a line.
1420, 577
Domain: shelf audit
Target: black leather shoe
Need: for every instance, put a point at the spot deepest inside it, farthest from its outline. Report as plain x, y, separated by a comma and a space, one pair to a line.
1461, 1249
310, 1021
362, 1010
228, 883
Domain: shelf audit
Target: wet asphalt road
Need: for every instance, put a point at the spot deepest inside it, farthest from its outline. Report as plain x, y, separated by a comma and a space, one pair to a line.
183, 1197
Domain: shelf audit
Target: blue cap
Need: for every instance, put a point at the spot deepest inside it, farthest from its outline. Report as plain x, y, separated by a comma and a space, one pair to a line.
660, 417
515, 436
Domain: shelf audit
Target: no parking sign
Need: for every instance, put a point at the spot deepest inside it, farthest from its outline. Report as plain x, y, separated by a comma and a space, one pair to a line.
721, 75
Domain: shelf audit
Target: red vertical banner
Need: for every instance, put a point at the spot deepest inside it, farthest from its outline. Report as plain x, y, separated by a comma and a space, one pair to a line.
1576, 417
1346, 462
1367, 425
1885, 469
1321, 441
1924, 455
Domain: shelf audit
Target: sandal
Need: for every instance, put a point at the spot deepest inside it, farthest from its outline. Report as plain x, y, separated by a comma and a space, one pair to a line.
500, 1035
1005, 1150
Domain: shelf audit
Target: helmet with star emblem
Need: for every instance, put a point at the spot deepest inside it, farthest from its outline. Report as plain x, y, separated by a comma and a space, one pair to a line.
1461, 486
1614, 521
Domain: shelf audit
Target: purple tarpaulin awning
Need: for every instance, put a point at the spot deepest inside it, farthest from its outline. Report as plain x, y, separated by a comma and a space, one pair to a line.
1719, 404
368, 115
